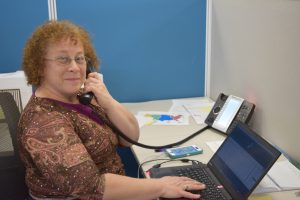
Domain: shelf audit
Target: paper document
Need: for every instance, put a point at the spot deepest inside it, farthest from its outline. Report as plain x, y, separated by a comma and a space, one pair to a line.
282, 176
161, 118
198, 109
266, 185
178, 105
286, 175
214, 145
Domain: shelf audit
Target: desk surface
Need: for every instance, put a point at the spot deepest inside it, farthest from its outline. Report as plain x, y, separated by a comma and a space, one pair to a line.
161, 135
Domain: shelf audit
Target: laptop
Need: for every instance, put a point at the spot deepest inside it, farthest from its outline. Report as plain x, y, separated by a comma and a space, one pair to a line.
235, 169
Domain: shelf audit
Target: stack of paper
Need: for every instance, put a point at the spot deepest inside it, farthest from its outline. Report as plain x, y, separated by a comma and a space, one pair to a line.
282, 176
286, 175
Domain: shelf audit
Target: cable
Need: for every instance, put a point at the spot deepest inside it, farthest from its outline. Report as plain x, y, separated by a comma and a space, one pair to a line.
157, 147
184, 160
125, 137
140, 165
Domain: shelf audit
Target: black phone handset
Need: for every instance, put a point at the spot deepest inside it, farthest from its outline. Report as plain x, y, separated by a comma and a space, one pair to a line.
228, 111
87, 97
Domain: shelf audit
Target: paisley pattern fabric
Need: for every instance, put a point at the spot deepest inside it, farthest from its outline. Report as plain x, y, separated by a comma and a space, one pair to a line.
65, 152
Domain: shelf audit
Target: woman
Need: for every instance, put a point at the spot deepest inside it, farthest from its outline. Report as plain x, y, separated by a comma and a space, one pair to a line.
68, 148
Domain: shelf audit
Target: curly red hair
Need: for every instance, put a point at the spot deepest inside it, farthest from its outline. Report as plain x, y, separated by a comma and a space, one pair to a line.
51, 32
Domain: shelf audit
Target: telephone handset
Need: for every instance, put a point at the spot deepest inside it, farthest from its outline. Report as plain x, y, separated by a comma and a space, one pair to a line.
228, 111
87, 97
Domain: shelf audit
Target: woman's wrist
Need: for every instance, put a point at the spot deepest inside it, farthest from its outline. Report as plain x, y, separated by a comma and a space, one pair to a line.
159, 187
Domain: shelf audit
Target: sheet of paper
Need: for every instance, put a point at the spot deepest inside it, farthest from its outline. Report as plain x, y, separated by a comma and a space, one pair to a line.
214, 145
286, 175
198, 109
142, 121
161, 118
266, 185
178, 105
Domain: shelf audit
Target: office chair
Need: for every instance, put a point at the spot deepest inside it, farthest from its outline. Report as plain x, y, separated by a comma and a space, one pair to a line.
12, 171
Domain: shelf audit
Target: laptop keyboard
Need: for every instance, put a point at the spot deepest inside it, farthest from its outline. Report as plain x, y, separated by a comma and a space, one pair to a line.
211, 192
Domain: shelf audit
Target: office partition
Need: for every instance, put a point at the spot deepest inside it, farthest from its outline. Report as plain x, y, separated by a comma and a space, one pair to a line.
150, 49
18, 19
255, 55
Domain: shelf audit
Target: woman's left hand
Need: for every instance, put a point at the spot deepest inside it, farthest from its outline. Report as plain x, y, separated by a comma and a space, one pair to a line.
95, 84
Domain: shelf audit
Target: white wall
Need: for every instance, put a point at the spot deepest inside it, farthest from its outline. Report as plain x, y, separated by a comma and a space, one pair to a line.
255, 54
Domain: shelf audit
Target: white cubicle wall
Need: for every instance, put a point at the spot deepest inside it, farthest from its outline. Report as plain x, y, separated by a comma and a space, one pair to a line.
255, 54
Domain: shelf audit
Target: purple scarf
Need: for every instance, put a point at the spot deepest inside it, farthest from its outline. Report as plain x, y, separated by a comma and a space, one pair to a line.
83, 109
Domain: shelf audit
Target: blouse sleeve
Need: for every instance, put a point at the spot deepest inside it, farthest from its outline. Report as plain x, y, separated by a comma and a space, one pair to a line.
59, 155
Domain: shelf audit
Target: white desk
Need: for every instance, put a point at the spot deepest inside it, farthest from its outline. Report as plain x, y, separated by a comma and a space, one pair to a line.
161, 135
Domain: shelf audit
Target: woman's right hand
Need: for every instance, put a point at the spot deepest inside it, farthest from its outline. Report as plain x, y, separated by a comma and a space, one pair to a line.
175, 187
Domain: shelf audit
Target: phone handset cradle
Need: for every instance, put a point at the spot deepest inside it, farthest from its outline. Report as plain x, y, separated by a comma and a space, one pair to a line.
228, 111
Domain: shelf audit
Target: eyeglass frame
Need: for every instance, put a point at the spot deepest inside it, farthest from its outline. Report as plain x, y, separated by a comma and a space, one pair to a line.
69, 60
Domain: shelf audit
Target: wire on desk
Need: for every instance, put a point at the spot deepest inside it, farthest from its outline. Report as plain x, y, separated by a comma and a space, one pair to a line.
158, 147
184, 160
125, 137
140, 165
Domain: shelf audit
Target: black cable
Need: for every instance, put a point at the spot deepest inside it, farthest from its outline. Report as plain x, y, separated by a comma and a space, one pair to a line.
125, 137
140, 165
170, 160
157, 147
194, 162
184, 160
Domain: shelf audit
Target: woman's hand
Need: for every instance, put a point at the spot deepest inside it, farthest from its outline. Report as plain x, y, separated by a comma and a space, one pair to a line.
94, 83
128, 188
117, 113
175, 187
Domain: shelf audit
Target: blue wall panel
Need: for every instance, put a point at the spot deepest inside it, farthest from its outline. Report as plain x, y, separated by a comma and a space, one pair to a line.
18, 19
150, 49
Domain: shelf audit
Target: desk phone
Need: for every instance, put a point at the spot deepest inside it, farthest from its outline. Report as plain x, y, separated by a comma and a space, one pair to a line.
228, 111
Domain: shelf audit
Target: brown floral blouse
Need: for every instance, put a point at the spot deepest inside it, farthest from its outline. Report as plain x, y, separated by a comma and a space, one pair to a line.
65, 152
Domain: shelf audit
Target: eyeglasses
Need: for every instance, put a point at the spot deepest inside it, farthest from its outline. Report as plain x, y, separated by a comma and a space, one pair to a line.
65, 60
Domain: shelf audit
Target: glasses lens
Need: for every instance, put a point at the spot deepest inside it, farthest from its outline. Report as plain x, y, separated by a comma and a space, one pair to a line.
80, 60
64, 60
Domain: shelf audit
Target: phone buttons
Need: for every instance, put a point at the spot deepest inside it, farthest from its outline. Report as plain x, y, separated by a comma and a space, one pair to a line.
210, 120
217, 110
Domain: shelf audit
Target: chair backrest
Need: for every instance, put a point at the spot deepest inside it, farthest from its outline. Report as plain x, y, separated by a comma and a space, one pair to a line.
12, 172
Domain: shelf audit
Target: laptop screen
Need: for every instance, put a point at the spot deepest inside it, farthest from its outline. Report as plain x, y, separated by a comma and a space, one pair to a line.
242, 161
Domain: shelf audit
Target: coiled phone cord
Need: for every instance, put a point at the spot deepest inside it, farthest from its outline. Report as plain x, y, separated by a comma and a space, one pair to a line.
86, 99
120, 133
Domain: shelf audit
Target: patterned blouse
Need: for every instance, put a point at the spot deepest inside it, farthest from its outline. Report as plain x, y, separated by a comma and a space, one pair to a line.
65, 151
